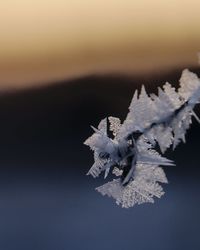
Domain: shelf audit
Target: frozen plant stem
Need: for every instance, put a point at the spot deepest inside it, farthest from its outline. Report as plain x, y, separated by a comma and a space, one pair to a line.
130, 154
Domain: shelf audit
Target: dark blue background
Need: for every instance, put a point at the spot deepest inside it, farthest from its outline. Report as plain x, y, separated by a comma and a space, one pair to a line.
46, 200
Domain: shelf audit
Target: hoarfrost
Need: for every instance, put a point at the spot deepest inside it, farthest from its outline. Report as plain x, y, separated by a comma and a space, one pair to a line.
131, 154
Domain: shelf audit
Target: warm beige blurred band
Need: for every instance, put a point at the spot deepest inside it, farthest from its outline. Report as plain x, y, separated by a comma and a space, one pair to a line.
48, 40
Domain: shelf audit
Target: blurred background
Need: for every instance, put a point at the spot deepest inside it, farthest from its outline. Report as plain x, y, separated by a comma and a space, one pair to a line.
65, 66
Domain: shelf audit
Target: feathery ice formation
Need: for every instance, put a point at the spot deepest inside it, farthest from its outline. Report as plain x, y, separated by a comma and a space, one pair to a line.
130, 153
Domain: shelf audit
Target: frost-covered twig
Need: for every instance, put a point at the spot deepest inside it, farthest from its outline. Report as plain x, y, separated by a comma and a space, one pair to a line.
152, 120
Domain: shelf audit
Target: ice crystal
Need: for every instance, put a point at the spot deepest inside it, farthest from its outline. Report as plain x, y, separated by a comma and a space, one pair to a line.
153, 120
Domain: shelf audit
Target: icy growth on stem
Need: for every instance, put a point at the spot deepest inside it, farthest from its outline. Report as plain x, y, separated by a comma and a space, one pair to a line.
130, 154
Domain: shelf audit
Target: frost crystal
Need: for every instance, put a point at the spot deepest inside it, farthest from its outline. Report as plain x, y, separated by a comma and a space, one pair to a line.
153, 120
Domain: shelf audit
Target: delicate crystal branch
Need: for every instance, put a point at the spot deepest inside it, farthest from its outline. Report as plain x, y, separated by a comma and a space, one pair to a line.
153, 120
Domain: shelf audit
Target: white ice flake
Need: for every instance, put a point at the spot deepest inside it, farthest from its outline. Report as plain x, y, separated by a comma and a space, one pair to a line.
140, 190
115, 125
